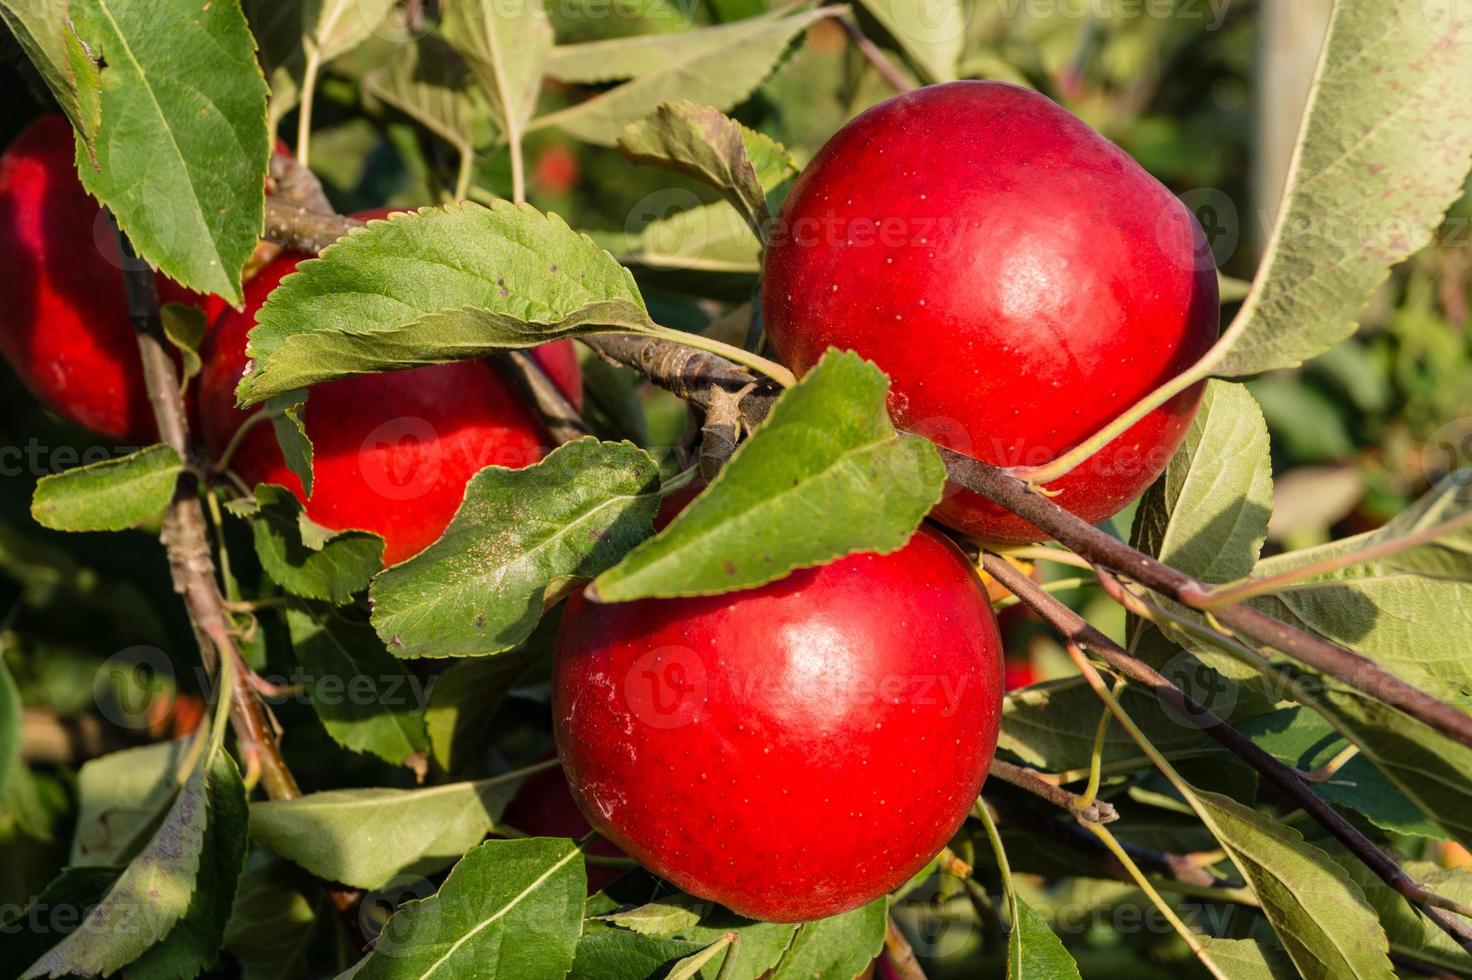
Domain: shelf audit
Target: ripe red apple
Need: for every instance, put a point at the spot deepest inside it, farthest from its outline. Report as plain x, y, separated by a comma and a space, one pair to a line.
64, 323
790, 751
1020, 278
391, 452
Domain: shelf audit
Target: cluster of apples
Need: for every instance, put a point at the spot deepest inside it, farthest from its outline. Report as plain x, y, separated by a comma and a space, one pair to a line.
799, 749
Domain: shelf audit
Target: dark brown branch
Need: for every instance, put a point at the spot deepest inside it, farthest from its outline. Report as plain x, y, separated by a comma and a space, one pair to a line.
1100, 548
1098, 811
296, 227
185, 533
561, 419
298, 186
689, 374
1288, 781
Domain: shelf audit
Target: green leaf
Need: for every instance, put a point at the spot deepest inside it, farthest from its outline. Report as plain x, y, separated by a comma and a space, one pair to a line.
152, 894
839, 946
1432, 770
10, 715
824, 476
182, 147
717, 66
441, 285
364, 837
506, 45
1248, 959
74, 888
609, 953
1376, 120
662, 917
1447, 507
932, 33
113, 495
289, 424
120, 797
1322, 919
703, 143
464, 699
428, 82
1410, 932
305, 558
184, 327
42, 29
1208, 514
510, 909
761, 946
191, 946
1305, 740
517, 536
708, 238
273, 918
367, 700
332, 28
1034, 952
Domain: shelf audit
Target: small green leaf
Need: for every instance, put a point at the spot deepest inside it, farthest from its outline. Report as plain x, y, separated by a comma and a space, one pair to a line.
717, 66
441, 285
1034, 951
289, 423
1448, 508
305, 558
44, 33
113, 495
690, 966
824, 476
703, 143
707, 238
662, 917
609, 953
367, 700
364, 837
334, 27
839, 946
510, 909
184, 327
932, 33
506, 46
480, 588
1208, 514
1377, 114
179, 163
428, 82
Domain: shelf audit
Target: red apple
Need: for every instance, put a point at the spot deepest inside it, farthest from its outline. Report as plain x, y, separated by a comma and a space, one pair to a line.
790, 751
391, 452
1020, 278
64, 327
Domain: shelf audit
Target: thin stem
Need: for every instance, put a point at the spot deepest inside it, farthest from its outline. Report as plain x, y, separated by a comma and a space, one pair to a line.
464, 173
231, 447
232, 588
304, 110
1143, 883
1035, 783
1096, 756
1327, 771
745, 358
1247, 588
876, 57
1056, 585
1037, 552
982, 813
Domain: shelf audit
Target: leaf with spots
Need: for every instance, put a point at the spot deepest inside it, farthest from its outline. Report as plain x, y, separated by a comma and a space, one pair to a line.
439, 285
113, 495
518, 537
510, 909
824, 476
303, 557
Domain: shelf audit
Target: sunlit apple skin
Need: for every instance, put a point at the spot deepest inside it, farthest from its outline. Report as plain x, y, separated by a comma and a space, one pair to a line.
64, 323
392, 452
790, 751
1020, 278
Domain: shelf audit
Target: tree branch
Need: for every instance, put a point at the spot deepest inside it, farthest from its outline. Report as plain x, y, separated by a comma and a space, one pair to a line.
1030, 780
298, 228
1075, 628
526, 375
